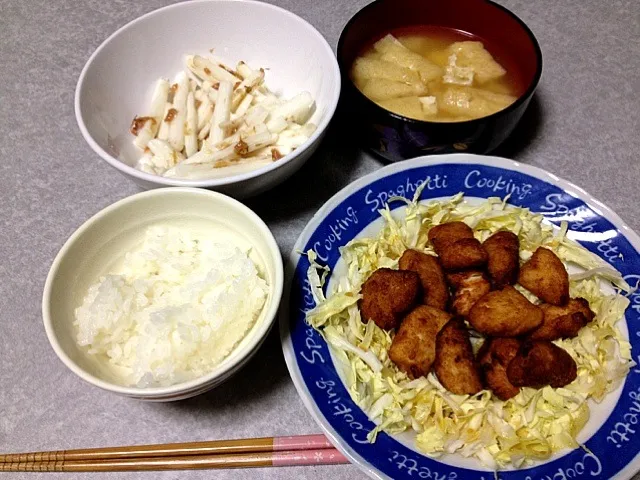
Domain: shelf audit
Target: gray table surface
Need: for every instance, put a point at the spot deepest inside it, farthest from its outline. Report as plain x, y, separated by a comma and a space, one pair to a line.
582, 125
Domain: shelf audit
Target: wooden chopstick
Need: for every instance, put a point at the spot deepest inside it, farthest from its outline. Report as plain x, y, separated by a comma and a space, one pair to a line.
245, 445
327, 456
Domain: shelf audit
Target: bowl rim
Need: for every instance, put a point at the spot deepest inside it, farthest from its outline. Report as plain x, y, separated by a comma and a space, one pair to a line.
214, 182
270, 311
521, 99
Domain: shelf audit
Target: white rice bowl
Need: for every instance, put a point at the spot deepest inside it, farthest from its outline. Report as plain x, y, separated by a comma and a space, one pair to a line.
177, 309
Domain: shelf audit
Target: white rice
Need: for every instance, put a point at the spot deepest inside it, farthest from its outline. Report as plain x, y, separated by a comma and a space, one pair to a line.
178, 307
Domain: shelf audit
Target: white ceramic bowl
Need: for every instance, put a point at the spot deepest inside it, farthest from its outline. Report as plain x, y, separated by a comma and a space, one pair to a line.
100, 244
117, 81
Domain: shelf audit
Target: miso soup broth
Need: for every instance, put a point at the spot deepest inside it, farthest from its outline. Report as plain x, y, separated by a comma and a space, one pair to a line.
436, 74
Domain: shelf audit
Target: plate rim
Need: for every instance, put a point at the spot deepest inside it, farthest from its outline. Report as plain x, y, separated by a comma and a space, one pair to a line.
572, 189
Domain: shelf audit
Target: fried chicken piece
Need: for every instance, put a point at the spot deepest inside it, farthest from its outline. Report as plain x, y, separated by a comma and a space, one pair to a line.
387, 295
505, 313
456, 279
455, 365
563, 322
463, 254
494, 357
544, 275
447, 233
539, 363
434, 286
502, 258
469, 287
457, 248
413, 348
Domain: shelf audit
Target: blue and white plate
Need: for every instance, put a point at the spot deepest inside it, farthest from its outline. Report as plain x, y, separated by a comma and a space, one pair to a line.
612, 435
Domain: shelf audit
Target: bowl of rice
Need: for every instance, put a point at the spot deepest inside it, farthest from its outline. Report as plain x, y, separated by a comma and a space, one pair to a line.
164, 294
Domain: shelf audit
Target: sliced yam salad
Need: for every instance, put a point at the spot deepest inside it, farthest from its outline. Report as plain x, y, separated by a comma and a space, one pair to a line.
216, 121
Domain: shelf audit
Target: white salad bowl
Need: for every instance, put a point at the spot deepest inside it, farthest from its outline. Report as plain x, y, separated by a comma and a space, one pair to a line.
117, 81
100, 245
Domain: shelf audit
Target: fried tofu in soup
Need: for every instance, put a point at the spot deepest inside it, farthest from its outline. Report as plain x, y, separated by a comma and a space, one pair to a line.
473, 55
366, 68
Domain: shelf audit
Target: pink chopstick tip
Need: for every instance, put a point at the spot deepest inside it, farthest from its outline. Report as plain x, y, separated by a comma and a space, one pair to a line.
301, 442
309, 457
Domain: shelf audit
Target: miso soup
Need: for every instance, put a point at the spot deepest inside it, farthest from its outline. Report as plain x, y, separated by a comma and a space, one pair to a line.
436, 74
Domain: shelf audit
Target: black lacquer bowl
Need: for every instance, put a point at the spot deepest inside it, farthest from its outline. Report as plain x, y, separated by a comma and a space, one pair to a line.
395, 137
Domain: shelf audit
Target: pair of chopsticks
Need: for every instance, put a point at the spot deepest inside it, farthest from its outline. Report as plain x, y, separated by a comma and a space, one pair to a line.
242, 453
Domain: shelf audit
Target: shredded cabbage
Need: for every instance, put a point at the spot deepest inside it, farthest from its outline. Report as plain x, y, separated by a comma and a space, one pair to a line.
526, 428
